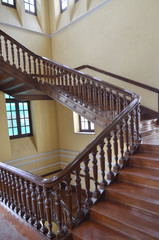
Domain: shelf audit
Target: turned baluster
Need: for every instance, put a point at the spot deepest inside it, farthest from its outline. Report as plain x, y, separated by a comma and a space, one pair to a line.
110, 174
102, 164
94, 98
127, 152
18, 56
70, 84
54, 75
132, 147
68, 194
44, 72
24, 61
10, 194
66, 84
39, 66
89, 94
99, 99
6, 187
74, 87
51, 74
48, 213
119, 103
137, 109
23, 194
62, 79
1, 48
122, 159
47, 72
115, 143
96, 192
88, 200
79, 89
29, 63
18, 190
29, 203
6, 49
12, 53
105, 101
58, 76
41, 209
83, 92
34, 202
15, 205
78, 191
58, 211
1, 186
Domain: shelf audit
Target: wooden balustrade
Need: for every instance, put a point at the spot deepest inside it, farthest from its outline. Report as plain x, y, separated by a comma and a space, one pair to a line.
62, 202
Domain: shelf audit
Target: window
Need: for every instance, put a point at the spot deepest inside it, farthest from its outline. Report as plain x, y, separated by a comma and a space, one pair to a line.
63, 4
9, 3
18, 117
30, 6
76, 1
85, 125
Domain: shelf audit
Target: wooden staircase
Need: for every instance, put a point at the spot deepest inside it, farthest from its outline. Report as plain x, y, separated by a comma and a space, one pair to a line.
130, 209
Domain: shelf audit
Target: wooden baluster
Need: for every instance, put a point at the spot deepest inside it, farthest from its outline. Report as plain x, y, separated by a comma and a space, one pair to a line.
15, 206
1, 57
39, 66
41, 208
47, 73
127, 152
6, 188
34, 63
34, 202
88, 200
105, 101
18, 190
44, 72
99, 99
58, 211
78, 191
48, 213
6, 49
84, 103
62, 80
116, 167
66, 84
70, 85
68, 194
132, 147
23, 194
10, 195
96, 192
95, 98
29, 63
24, 61
103, 183
1, 185
89, 97
74, 87
18, 56
54, 75
12, 52
51, 74
110, 174
119, 104
113, 107
138, 138
29, 203
79, 89
122, 159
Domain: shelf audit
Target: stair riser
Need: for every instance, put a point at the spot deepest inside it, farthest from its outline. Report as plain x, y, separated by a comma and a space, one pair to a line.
138, 180
135, 202
145, 163
131, 232
75, 237
144, 148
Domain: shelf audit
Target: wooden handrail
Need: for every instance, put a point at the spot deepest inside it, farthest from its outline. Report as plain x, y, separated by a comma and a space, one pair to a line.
127, 80
41, 200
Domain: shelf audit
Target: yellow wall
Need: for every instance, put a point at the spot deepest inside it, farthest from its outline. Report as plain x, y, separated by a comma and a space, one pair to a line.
120, 37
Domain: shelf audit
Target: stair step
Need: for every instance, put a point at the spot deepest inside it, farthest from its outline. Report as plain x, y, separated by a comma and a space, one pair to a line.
142, 176
91, 230
142, 197
146, 148
128, 220
145, 160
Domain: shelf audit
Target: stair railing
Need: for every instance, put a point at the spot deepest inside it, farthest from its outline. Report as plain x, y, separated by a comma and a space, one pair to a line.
57, 205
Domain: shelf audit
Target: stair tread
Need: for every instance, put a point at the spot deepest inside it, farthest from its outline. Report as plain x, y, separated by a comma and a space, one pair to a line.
128, 215
144, 172
91, 230
136, 191
150, 156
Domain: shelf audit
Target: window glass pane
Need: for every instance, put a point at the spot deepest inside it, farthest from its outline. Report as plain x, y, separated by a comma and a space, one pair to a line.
27, 130
26, 114
32, 2
21, 114
5, 1
25, 106
8, 106
92, 126
9, 123
20, 106
12, 106
10, 132
27, 6
11, 2
13, 114
22, 130
8, 115
32, 8
6, 96
22, 121
26, 122
15, 131
14, 123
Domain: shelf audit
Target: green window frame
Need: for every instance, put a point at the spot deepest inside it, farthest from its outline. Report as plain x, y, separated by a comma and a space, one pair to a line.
9, 3
85, 125
30, 6
18, 117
